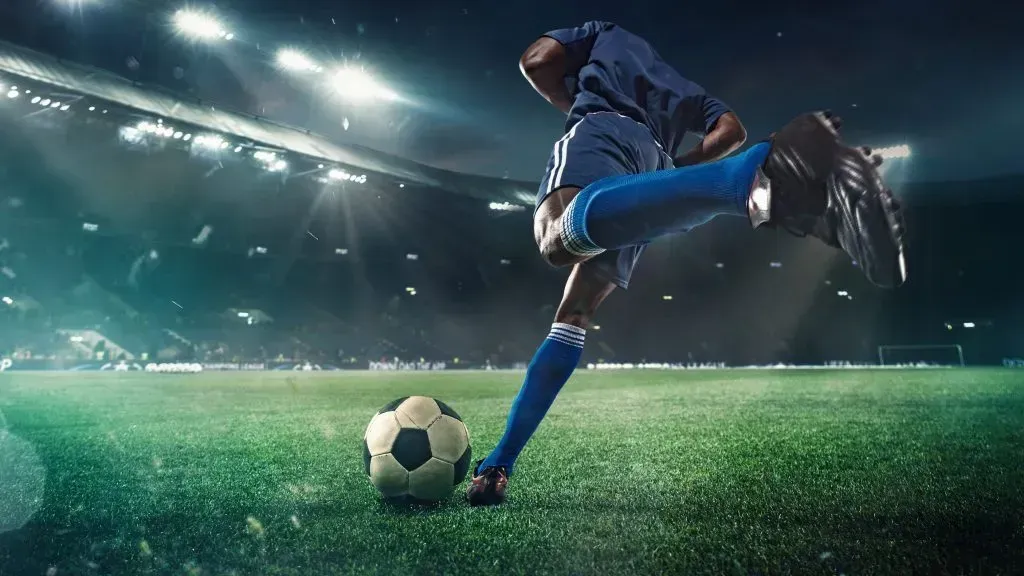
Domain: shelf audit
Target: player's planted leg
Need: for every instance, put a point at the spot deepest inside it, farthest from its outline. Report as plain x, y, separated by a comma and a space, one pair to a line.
551, 367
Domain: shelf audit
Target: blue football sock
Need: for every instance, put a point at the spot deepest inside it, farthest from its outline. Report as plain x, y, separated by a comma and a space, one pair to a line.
554, 362
621, 211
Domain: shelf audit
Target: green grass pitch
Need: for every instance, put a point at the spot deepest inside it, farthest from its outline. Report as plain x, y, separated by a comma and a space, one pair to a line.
706, 472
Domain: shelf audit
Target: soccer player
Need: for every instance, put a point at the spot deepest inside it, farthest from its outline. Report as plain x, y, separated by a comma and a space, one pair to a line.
615, 182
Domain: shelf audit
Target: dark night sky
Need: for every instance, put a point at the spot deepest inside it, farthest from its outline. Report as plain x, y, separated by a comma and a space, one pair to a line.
946, 76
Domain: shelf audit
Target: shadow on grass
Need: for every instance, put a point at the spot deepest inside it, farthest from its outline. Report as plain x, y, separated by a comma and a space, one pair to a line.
412, 507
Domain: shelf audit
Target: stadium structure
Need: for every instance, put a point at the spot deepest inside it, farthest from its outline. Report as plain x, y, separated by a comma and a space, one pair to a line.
178, 230
142, 231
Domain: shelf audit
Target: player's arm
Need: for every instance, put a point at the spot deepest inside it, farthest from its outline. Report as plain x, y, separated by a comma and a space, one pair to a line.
550, 63
723, 134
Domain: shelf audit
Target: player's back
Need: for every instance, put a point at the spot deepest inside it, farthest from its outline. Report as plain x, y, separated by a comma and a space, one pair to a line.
621, 72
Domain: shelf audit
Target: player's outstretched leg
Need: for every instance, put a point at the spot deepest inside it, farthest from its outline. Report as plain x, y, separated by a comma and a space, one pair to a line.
835, 193
633, 209
802, 179
551, 367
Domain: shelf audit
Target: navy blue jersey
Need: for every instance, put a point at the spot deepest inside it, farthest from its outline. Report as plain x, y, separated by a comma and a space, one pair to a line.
611, 70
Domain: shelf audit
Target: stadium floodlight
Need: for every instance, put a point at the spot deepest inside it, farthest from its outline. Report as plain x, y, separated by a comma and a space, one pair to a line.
338, 174
159, 129
506, 207
270, 161
291, 59
357, 85
200, 26
131, 135
892, 152
209, 142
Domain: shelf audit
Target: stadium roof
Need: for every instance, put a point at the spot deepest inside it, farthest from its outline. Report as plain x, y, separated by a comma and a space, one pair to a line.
92, 82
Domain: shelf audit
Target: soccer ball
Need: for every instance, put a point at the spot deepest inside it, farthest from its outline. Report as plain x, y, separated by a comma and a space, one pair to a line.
416, 449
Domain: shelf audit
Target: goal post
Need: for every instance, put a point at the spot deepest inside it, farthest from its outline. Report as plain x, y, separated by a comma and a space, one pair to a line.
921, 355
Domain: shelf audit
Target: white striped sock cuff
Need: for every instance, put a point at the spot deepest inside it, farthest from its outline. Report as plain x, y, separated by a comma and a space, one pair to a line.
567, 334
574, 231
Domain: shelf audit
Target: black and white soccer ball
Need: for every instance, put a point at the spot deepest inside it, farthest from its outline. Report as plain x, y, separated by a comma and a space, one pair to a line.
416, 449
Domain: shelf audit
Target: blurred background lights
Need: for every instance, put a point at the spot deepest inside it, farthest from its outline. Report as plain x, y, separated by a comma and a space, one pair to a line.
506, 207
209, 141
357, 85
893, 152
337, 174
200, 26
291, 59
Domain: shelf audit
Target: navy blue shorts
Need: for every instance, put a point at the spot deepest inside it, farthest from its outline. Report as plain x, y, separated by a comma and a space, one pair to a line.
604, 144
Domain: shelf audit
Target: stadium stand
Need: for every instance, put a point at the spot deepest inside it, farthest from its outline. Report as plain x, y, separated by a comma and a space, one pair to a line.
136, 225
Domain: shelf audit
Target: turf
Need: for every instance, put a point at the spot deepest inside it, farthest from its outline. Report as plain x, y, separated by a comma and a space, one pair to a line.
705, 472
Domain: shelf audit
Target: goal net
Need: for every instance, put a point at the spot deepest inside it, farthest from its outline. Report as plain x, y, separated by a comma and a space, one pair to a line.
921, 355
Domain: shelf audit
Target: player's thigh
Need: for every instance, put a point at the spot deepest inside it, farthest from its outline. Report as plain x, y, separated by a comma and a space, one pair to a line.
598, 146
601, 145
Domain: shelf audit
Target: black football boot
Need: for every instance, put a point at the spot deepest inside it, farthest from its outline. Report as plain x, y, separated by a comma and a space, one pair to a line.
487, 487
813, 184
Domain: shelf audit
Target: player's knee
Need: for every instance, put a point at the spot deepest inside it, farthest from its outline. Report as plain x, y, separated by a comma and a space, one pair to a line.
547, 229
552, 251
549, 243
